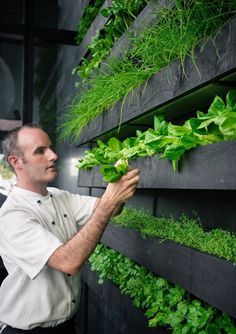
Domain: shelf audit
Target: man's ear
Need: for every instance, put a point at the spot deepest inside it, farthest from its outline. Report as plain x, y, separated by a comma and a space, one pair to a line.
15, 162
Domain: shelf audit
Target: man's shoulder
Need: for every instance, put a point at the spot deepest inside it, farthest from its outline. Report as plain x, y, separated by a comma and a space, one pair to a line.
54, 190
63, 194
9, 202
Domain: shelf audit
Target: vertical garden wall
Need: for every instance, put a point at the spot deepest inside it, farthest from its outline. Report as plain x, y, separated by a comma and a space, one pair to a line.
202, 188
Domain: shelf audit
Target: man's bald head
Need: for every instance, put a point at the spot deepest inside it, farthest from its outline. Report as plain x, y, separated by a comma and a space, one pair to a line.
10, 143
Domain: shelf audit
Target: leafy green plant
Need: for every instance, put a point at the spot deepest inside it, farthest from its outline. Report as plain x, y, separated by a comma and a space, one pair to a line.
114, 173
121, 14
164, 303
167, 139
184, 231
89, 15
175, 34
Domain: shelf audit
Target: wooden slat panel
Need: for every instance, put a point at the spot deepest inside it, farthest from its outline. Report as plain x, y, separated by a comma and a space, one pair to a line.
209, 278
171, 84
206, 167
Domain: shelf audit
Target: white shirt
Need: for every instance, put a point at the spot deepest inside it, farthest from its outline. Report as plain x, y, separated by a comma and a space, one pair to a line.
32, 227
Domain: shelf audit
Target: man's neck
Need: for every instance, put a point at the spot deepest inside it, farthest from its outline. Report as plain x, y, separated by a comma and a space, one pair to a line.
37, 188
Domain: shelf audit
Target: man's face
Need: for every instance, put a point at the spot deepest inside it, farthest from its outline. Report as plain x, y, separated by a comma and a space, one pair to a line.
38, 161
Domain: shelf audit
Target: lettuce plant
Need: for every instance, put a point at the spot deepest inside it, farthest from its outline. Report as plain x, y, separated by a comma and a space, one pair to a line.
166, 139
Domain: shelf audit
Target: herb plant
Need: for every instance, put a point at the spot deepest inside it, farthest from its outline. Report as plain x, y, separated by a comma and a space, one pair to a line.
89, 15
175, 34
166, 139
121, 14
164, 303
184, 231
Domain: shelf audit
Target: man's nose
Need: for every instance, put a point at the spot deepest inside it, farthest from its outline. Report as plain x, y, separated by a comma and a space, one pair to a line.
53, 155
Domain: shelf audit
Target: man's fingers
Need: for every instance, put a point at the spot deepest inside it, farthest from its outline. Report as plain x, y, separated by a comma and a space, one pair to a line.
125, 188
131, 174
132, 183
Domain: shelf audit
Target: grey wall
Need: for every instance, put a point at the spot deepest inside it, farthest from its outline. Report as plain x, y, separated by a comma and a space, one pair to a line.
69, 15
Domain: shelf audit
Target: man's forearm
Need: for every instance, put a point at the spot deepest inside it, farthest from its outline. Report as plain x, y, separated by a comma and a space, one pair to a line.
117, 210
70, 257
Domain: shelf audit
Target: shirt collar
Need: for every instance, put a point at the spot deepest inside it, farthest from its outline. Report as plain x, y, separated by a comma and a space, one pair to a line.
31, 194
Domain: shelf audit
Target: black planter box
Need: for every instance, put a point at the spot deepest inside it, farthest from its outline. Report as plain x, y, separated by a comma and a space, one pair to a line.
206, 167
207, 277
144, 19
171, 91
97, 25
109, 311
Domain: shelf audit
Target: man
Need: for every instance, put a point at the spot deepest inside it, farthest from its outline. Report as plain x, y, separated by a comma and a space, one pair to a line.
46, 235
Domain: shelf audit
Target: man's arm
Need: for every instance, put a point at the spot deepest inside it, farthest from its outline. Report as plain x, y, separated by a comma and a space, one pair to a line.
71, 256
116, 212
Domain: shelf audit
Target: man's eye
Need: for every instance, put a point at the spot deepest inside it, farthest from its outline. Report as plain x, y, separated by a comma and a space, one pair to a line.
40, 151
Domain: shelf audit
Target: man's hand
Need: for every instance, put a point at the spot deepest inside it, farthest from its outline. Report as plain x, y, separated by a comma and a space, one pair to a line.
118, 192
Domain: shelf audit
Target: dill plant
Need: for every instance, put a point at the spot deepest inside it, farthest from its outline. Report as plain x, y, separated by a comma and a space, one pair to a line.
179, 31
175, 34
105, 89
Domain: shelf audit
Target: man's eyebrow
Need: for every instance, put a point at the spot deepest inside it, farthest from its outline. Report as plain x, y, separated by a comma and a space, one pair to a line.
39, 148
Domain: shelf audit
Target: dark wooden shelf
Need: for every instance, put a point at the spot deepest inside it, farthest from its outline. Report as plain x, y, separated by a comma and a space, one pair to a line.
146, 18
108, 308
206, 167
97, 25
207, 277
173, 91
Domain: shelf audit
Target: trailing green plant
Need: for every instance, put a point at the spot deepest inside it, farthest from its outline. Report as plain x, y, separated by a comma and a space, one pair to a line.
184, 231
89, 15
121, 14
175, 34
164, 303
167, 139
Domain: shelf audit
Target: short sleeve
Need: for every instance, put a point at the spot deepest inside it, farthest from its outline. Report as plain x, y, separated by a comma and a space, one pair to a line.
83, 207
26, 242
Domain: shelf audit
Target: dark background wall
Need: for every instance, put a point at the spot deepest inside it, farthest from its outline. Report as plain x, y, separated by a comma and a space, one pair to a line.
46, 89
